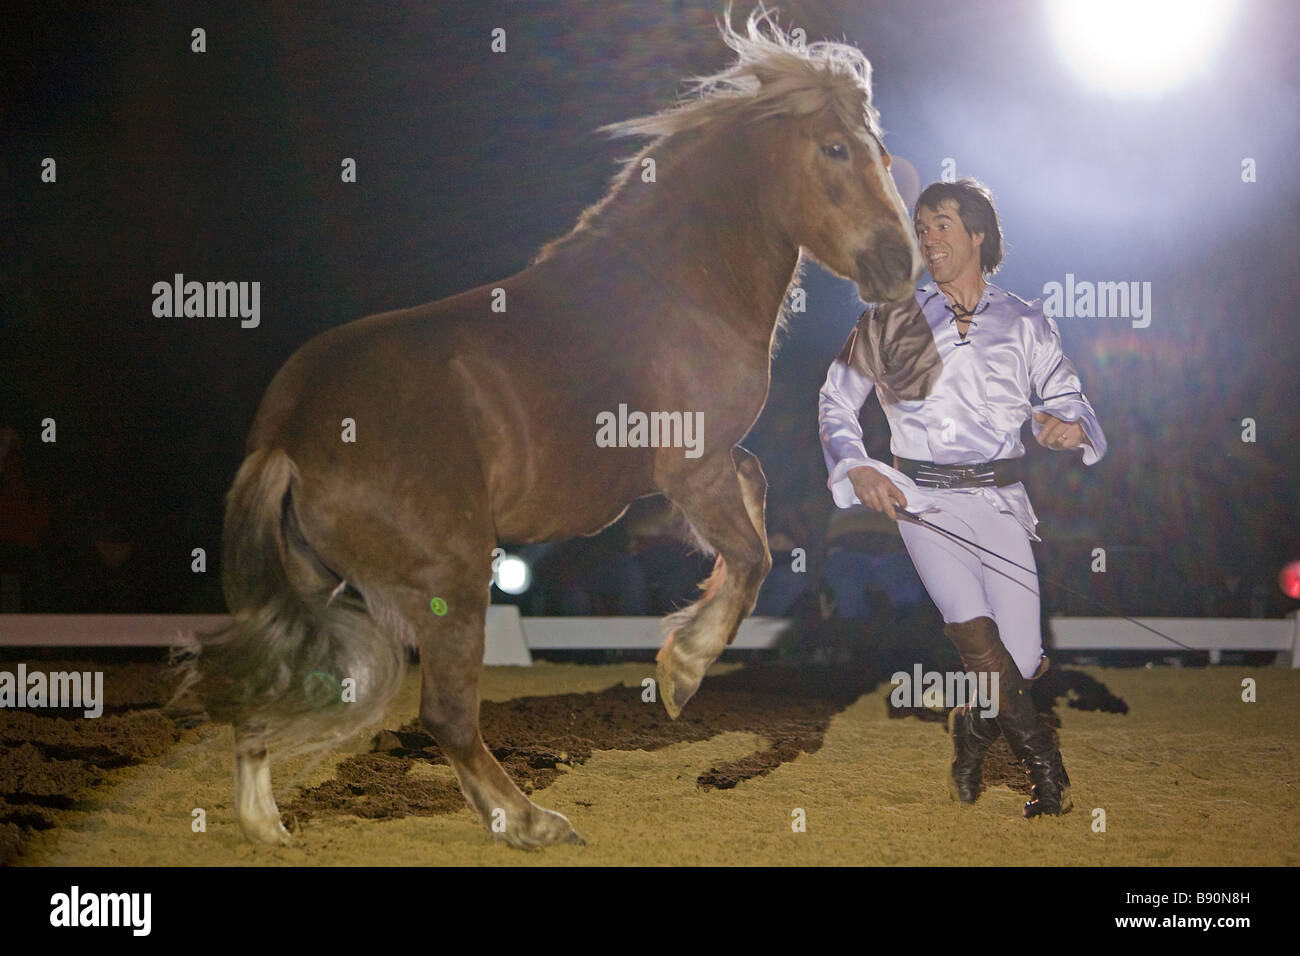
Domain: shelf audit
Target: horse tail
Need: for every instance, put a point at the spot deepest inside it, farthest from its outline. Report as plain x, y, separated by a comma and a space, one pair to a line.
302, 664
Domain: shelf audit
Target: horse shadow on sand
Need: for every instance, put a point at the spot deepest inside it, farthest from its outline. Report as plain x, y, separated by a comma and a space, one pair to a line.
787, 696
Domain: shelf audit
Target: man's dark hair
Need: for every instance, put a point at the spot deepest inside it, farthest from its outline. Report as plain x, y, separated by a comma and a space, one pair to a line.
975, 206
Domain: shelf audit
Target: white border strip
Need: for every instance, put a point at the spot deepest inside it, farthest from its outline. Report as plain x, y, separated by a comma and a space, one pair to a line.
632, 633
511, 637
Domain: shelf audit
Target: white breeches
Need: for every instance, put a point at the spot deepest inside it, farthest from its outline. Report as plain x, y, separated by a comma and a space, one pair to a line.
966, 583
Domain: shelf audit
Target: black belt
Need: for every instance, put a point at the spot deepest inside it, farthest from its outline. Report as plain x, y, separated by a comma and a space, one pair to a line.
1004, 471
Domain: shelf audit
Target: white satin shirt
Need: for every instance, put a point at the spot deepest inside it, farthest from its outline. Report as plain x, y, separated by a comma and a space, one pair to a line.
975, 409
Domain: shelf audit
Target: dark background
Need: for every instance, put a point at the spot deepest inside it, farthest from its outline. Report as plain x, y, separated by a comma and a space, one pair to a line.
225, 166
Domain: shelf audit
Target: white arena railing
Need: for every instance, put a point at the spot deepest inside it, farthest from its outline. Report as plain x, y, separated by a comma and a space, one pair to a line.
511, 638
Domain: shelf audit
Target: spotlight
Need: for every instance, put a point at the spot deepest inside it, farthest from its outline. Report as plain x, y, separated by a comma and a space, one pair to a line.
513, 575
1138, 47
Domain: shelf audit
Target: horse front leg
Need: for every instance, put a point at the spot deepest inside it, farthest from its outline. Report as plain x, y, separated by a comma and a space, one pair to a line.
725, 506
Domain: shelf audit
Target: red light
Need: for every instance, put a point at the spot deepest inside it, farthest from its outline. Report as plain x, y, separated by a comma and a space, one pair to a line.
1288, 579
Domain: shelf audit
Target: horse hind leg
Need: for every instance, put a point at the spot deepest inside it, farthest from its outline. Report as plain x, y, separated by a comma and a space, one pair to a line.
725, 506
259, 817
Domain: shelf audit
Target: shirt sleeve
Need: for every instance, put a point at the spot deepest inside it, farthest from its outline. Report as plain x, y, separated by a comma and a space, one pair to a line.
1060, 392
839, 402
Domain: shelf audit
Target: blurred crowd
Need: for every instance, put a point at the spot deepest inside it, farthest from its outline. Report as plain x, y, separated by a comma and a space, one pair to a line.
95, 545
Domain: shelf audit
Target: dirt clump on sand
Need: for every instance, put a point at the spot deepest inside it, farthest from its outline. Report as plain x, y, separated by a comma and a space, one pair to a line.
52, 759
788, 706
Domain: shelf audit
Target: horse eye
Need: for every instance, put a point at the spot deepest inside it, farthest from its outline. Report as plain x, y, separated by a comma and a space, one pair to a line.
836, 150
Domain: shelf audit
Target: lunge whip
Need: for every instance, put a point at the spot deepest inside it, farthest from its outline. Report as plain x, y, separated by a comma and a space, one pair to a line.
917, 518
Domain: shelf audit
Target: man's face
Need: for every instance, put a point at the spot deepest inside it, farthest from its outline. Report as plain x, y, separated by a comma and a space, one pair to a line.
950, 251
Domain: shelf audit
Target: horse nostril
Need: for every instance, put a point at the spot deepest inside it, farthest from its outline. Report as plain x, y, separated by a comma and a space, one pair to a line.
888, 264
896, 260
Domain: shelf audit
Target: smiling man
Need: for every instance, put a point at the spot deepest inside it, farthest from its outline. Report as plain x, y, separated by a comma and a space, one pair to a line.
955, 370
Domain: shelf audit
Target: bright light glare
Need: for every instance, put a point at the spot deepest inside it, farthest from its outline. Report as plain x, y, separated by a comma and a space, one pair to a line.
1138, 47
513, 575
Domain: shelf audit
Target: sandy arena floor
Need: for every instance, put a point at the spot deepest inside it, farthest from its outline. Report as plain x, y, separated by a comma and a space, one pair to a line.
1189, 775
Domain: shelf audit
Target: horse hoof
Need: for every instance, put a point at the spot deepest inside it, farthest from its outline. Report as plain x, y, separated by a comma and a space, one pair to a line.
544, 827
678, 675
674, 694
666, 693
555, 828
269, 832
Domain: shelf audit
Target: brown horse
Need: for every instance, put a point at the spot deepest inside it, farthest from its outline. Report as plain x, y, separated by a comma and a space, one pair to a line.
391, 454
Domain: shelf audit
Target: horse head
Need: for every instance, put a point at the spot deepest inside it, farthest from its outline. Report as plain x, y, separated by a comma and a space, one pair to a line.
821, 137
784, 147
844, 209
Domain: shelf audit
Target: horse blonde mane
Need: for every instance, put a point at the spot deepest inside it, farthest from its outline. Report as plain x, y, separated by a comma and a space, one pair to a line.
773, 76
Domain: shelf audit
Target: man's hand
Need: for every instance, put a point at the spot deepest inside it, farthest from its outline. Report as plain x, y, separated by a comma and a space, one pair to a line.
1058, 435
876, 491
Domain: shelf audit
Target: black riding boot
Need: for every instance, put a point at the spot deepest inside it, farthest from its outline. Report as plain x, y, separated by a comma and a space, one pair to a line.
1034, 745
1032, 742
972, 736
